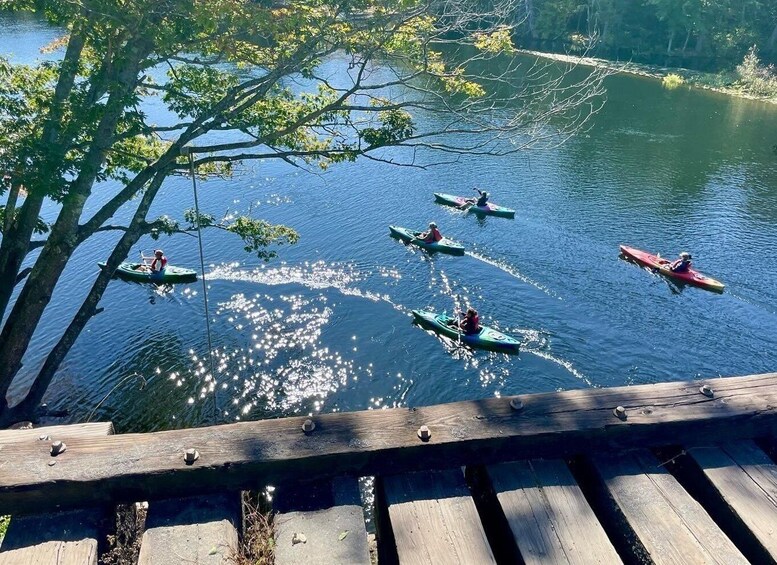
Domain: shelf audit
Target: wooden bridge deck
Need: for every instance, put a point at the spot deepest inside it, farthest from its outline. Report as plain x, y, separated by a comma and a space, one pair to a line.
665, 473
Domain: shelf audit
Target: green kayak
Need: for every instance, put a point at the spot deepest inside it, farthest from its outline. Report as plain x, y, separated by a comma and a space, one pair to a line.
487, 210
487, 338
128, 271
445, 245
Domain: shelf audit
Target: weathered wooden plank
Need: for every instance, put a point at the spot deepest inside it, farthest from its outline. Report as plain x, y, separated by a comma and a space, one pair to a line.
671, 526
199, 530
434, 520
330, 520
147, 466
745, 478
62, 538
549, 517
50, 433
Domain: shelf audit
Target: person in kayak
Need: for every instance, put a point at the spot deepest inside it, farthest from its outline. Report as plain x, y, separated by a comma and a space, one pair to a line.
432, 235
481, 201
682, 264
157, 265
470, 322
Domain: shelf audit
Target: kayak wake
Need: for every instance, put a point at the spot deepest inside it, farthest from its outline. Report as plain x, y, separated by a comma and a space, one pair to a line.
513, 272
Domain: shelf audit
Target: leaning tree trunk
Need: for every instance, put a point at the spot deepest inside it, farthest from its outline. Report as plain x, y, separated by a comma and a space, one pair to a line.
669, 46
18, 232
26, 408
10, 205
63, 239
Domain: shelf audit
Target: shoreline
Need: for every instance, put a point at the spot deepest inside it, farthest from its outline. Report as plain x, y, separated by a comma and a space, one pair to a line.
695, 79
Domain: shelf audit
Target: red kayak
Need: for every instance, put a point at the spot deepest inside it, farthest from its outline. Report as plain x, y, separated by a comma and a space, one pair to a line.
662, 266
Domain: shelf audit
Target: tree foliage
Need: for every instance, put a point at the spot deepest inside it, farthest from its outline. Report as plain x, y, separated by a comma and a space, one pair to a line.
757, 78
229, 72
722, 29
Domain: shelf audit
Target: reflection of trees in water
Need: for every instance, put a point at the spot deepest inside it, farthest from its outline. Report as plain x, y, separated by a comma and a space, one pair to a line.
663, 150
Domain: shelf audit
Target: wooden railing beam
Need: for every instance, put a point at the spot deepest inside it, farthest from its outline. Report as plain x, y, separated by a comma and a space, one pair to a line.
132, 467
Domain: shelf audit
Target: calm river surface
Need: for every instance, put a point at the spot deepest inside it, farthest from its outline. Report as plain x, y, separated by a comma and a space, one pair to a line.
326, 327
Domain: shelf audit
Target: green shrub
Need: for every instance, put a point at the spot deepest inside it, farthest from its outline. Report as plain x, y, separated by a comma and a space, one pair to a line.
4, 521
672, 81
756, 78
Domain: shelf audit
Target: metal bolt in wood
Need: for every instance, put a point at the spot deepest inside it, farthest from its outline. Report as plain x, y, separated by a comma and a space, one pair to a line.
58, 447
424, 433
190, 456
516, 403
707, 391
620, 412
308, 426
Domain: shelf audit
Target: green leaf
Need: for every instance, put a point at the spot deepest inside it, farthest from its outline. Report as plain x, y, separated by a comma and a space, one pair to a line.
343, 535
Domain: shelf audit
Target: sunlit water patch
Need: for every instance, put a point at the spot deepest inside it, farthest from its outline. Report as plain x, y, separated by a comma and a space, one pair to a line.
313, 275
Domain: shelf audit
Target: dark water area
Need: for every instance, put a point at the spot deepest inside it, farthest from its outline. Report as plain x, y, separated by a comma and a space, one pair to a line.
326, 327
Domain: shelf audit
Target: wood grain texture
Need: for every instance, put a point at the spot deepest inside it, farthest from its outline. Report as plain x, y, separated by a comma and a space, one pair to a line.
434, 519
746, 479
670, 524
334, 528
62, 538
62, 433
549, 517
133, 467
196, 530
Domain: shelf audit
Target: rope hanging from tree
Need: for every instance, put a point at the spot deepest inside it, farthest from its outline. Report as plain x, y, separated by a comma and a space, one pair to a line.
187, 151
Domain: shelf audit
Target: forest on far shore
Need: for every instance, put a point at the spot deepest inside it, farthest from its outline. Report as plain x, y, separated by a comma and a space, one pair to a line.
704, 34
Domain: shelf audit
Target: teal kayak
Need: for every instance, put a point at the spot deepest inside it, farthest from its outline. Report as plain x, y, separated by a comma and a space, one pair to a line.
487, 210
128, 271
487, 338
445, 245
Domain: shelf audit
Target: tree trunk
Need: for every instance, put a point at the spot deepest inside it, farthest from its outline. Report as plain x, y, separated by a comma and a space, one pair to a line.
26, 408
15, 245
529, 5
17, 236
699, 44
37, 291
687, 39
10, 205
772, 39
669, 46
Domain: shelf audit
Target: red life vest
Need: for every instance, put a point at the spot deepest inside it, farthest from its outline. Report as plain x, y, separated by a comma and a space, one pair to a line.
471, 325
436, 234
162, 263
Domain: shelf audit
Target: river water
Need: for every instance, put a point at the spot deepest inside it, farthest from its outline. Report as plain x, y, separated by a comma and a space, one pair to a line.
326, 327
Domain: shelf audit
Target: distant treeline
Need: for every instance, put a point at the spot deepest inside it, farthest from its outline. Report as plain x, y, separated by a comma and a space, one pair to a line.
700, 33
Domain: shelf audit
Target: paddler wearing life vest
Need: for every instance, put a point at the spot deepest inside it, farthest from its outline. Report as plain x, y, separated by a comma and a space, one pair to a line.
682, 264
432, 235
471, 322
157, 265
